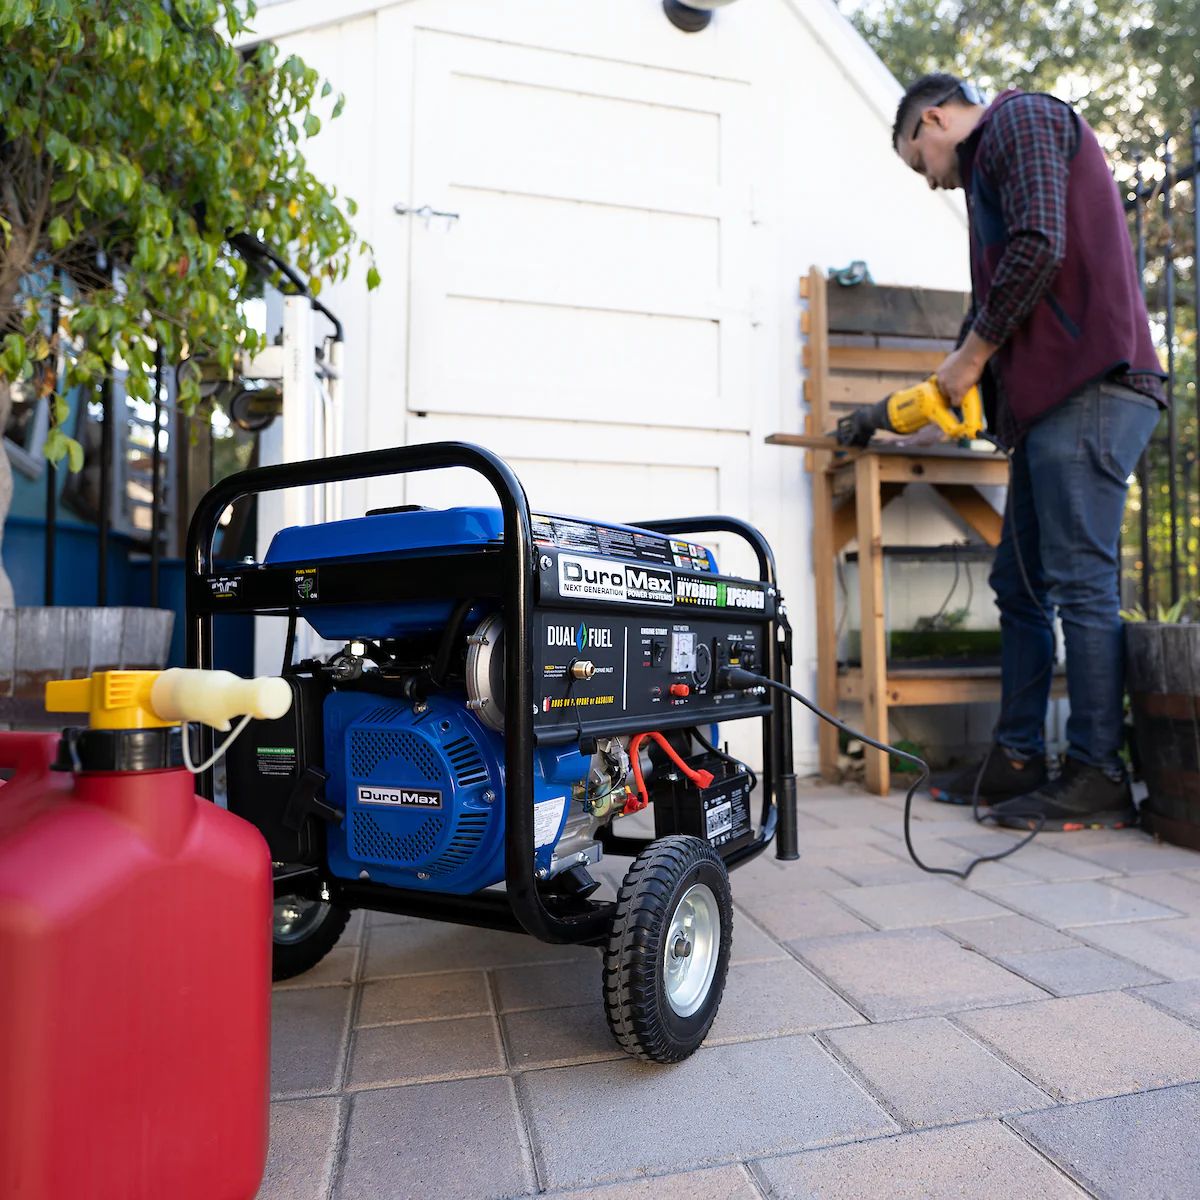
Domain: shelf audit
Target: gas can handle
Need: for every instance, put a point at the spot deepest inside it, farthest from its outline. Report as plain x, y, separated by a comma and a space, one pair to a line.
179, 694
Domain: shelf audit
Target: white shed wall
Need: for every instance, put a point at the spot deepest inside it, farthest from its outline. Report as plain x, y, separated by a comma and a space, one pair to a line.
616, 310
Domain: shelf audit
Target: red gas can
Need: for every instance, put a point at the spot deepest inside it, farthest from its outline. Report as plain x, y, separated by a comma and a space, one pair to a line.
135, 966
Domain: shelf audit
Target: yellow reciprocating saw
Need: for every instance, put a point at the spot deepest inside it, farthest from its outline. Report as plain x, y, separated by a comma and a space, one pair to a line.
911, 409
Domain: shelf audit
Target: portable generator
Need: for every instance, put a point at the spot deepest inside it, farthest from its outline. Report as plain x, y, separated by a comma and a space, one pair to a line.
509, 687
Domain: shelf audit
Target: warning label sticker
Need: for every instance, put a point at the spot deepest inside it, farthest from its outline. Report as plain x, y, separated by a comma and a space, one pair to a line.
719, 820
567, 533
224, 587
275, 760
307, 584
547, 816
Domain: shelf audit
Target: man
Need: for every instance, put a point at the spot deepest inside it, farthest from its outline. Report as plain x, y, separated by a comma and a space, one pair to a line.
1059, 338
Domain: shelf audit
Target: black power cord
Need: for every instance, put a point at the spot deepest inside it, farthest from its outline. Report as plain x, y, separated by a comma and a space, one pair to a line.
735, 677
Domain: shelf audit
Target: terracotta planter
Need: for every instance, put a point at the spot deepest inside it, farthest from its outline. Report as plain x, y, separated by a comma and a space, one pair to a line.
1163, 678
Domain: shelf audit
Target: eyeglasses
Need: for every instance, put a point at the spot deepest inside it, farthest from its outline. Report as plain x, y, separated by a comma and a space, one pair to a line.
958, 87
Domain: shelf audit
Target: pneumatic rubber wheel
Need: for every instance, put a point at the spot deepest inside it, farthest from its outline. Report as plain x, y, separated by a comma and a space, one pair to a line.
668, 954
304, 932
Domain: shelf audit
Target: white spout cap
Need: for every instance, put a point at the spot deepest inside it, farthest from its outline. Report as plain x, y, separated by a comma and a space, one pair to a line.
215, 697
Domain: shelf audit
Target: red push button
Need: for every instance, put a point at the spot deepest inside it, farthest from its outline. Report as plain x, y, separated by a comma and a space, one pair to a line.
680, 689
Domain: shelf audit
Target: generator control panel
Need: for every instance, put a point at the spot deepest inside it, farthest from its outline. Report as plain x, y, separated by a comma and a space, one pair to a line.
616, 673
631, 633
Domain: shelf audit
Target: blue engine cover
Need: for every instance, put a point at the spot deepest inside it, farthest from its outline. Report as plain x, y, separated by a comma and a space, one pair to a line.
414, 788
425, 532
385, 535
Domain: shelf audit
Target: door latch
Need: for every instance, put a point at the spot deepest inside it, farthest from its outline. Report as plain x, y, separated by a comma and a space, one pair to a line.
426, 212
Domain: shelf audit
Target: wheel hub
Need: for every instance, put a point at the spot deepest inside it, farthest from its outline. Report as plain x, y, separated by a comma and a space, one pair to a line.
691, 947
296, 918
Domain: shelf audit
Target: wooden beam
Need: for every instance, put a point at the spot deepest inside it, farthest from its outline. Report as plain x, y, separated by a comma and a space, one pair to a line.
973, 509
853, 391
810, 441
816, 361
870, 358
917, 468
871, 341
816, 357
922, 689
869, 531
897, 311
845, 517
826, 618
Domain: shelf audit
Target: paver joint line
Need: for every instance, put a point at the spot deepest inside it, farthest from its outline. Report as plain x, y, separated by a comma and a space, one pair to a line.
852, 1070
833, 987
999, 1054
1009, 1122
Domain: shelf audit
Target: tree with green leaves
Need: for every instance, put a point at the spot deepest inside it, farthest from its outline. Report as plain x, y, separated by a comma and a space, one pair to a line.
135, 140
1132, 67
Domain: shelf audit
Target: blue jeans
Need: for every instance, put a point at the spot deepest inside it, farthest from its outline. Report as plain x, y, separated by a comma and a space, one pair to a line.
1066, 503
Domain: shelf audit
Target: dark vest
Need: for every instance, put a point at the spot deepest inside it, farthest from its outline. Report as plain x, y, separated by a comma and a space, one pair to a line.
1092, 321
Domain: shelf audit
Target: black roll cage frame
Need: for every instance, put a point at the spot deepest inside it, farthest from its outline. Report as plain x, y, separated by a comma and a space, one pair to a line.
521, 907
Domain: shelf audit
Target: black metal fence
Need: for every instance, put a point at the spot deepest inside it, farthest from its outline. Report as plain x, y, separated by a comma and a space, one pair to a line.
1162, 535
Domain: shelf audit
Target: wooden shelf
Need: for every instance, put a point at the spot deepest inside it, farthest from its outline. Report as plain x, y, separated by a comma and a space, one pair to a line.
917, 686
861, 344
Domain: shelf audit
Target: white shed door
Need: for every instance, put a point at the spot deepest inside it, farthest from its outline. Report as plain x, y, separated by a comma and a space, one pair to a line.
586, 315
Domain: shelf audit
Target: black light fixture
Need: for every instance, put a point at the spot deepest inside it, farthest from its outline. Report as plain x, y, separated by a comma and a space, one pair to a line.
691, 15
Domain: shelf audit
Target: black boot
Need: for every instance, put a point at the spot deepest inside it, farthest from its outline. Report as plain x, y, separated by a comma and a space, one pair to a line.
1081, 797
1004, 776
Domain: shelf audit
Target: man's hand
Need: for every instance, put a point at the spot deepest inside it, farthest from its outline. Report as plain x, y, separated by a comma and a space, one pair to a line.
963, 369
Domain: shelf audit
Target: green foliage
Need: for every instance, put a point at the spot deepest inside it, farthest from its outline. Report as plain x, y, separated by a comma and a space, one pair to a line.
1132, 67
1174, 615
135, 138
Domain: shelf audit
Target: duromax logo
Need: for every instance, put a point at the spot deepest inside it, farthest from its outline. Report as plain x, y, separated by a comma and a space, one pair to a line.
400, 797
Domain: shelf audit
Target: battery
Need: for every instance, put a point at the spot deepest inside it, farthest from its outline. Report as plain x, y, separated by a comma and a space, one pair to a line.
718, 814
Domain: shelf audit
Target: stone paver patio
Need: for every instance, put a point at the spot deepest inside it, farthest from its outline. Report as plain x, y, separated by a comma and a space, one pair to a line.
1035, 1032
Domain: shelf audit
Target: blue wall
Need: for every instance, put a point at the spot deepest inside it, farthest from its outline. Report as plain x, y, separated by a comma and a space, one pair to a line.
76, 578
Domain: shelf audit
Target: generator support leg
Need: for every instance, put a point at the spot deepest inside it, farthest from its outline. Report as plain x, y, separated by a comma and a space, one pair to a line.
787, 846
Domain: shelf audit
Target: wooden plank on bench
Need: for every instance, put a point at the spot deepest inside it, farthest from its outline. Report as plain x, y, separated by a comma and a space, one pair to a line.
945, 686
853, 391
898, 311
866, 358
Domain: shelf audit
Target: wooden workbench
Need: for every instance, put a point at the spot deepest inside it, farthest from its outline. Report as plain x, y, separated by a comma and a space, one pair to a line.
860, 344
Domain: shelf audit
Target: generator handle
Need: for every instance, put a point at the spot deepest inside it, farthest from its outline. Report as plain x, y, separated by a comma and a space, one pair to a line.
518, 582
777, 734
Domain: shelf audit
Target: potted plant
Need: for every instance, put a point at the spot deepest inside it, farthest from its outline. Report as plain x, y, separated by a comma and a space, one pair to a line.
1163, 679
